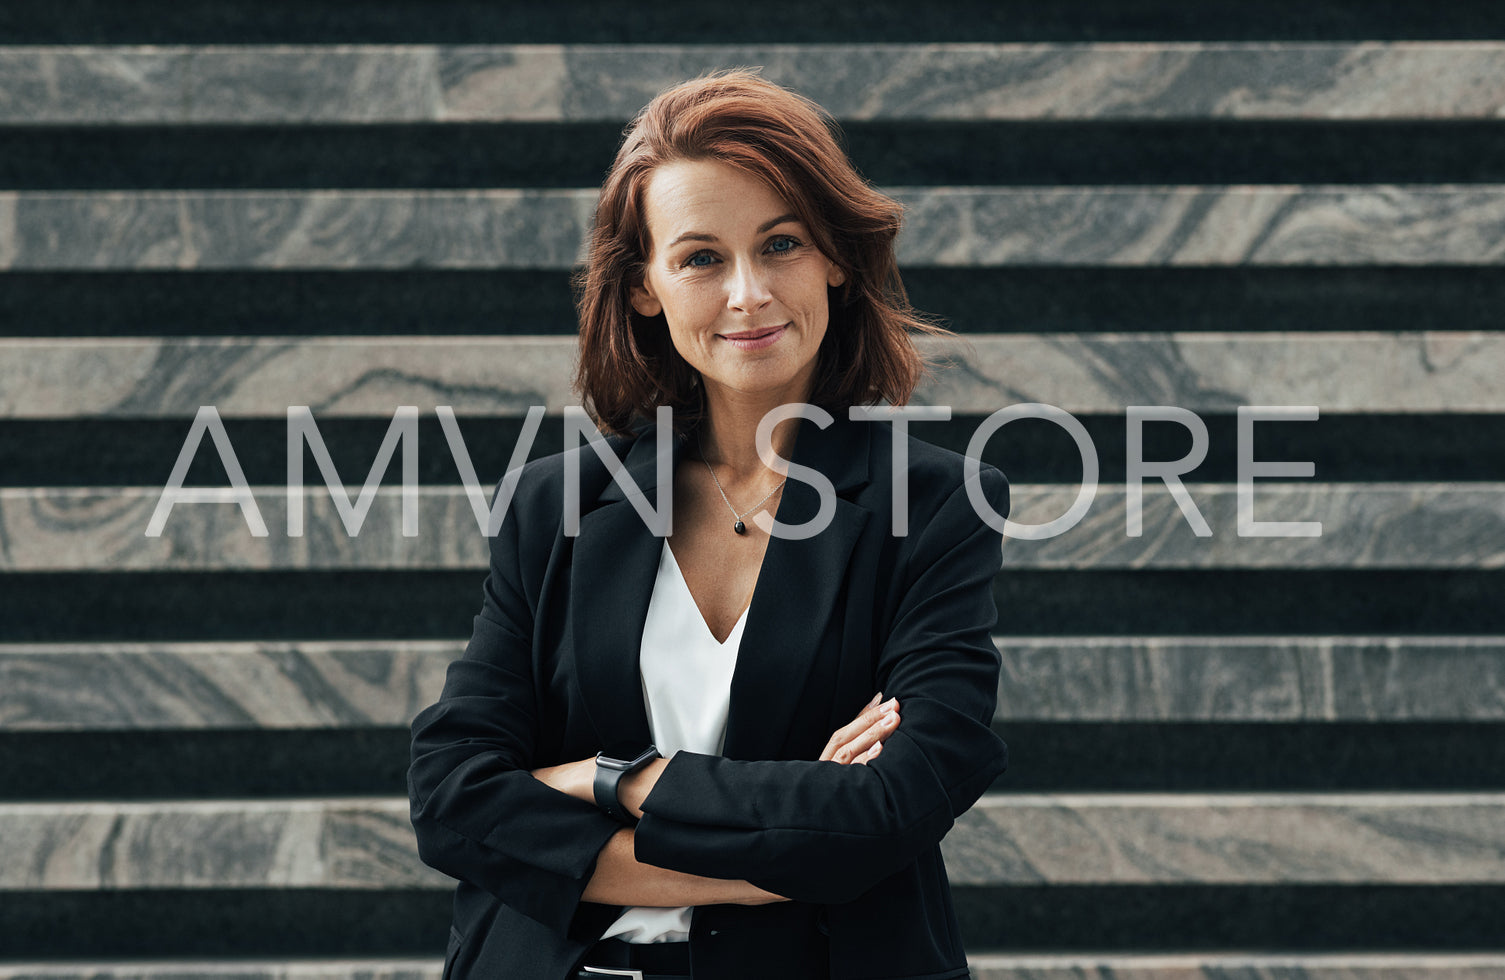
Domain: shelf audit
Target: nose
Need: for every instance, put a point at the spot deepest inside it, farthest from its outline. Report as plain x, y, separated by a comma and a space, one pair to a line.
747, 292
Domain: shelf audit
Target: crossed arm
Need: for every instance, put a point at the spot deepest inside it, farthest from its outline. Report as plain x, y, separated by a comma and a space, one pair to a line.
621, 879
799, 829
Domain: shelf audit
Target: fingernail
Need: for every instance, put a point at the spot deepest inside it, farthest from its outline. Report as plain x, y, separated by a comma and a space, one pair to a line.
877, 746
890, 718
890, 705
876, 698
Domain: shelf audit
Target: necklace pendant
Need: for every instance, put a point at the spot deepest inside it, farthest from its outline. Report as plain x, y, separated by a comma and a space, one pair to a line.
739, 527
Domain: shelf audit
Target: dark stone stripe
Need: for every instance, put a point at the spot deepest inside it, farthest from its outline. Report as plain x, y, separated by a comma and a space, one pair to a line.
38, 607
1154, 757
1148, 918
1294, 918
685, 21
163, 157
1257, 602
1019, 299
214, 922
1344, 448
238, 605
305, 303
1044, 757
146, 765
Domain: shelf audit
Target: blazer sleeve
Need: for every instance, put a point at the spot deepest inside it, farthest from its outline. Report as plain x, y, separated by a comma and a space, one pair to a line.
826, 832
479, 814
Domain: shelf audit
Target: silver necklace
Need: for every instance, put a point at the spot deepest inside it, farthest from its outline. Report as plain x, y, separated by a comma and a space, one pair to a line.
737, 524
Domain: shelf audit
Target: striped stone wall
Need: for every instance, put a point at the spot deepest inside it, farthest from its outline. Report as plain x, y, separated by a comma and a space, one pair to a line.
1230, 756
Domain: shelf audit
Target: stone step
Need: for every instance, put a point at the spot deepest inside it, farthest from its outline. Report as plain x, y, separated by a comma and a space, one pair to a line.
1339, 372
1007, 839
1129, 226
984, 965
1245, 966
99, 687
331, 969
1362, 526
1251, 679
219, 685
358, 83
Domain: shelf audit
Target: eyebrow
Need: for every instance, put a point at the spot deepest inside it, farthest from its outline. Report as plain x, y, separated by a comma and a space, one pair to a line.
700, 236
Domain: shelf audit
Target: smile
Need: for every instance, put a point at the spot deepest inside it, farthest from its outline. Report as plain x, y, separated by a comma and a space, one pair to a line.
755, 339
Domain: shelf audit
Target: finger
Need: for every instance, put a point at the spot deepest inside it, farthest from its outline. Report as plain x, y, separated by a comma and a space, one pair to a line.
864, 740
869, 755
852, 728
856, 737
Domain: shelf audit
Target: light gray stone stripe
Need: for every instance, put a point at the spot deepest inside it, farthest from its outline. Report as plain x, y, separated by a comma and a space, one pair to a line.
1230, 838
1266, 225
1364, 525
250, 377
1240, 966
1395, 838
1217, 372
341, 969
985, 966
1251, 679
274, 685
545, 83
220, 685
343, 843
150, 377
320, 229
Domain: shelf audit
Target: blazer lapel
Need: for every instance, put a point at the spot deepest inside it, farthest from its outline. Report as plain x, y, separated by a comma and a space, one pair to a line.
798, 589
615, 562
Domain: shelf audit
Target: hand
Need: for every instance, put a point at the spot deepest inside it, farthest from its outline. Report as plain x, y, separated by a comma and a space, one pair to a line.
861, 739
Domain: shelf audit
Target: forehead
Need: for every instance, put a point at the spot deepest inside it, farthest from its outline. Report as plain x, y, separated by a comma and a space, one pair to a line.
707, 197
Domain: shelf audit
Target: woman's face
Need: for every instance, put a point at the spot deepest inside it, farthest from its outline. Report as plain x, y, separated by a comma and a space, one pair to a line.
738, 279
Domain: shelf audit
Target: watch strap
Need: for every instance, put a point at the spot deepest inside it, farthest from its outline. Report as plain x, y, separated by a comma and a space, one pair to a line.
605, 788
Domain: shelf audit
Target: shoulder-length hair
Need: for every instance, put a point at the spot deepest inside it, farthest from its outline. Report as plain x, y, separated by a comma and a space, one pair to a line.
628, 365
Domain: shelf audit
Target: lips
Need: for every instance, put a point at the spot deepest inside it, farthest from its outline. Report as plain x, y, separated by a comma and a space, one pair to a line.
755, 338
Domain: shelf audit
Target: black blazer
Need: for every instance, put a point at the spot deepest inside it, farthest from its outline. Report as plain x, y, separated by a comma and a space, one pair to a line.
551, 675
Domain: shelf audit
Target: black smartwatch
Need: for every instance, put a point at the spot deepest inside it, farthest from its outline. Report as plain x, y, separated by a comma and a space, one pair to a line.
611, 765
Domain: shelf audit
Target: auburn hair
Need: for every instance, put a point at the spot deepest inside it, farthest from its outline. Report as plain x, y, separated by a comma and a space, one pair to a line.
628, 365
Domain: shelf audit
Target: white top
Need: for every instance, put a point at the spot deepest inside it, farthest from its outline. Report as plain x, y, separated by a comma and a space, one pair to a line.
687, 689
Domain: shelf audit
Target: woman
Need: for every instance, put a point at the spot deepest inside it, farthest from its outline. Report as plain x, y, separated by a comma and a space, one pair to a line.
671, 753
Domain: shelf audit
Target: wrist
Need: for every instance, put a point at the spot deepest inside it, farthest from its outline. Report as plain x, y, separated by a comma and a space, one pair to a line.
634, 788
612, 767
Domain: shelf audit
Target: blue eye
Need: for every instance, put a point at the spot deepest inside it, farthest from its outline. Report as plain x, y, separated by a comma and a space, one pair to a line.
783, 245
694, 261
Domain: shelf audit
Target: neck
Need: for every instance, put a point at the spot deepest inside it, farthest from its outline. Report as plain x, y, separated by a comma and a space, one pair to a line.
729, 433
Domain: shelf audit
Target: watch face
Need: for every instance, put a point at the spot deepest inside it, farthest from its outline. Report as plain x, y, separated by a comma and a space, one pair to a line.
629, 755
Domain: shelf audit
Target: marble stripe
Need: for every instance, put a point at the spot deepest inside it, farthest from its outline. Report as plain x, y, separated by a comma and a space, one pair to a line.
545, 83
357, 843
219, 685
1437, 372
1006, 839
1364, 525
341, 969
1251, 679
272, 685
1213, 838
1267, 225
249, 377
1217, 372
319, 229
1240, 966
985, 966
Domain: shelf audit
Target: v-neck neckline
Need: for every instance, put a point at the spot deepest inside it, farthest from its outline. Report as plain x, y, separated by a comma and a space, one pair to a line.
684, 585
